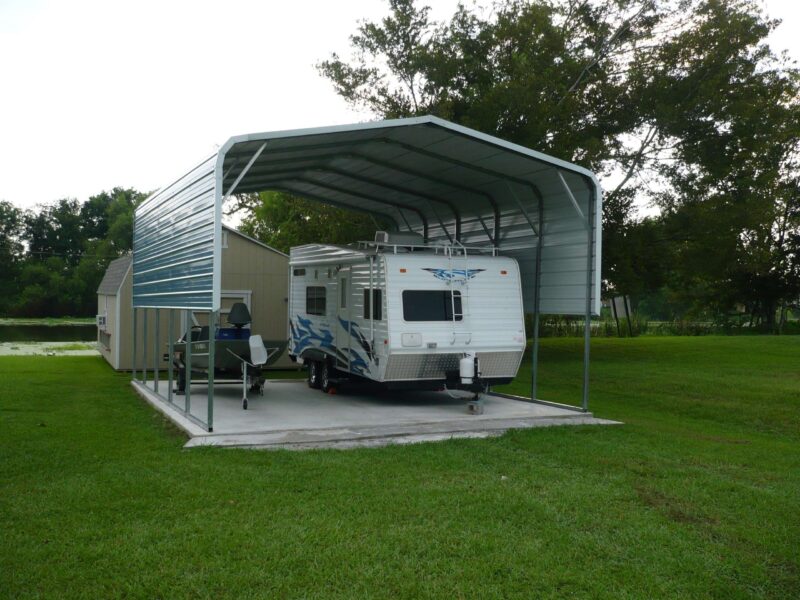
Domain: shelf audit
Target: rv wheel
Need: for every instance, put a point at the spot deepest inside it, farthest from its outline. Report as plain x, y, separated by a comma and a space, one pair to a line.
313, 374
325, 377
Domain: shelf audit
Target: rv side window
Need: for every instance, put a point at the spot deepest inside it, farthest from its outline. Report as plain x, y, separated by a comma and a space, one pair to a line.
431, 305
343, 293
376, 302
299, 272
315, 300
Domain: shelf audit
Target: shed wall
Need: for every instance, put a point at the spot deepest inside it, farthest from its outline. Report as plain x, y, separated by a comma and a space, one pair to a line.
107, 304
249, 266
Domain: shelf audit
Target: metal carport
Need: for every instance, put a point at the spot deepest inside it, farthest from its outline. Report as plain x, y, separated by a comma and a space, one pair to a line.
424, 174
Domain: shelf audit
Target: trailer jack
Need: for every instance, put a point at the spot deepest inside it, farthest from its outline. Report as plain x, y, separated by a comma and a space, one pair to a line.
475, 406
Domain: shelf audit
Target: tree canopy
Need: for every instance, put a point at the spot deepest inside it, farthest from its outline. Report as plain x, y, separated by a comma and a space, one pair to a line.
679, 104
53, 258
282, 221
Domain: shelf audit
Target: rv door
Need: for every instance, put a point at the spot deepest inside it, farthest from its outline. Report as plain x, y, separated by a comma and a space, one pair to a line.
344, 305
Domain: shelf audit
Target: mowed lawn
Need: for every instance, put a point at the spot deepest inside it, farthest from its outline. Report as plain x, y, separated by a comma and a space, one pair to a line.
697, 495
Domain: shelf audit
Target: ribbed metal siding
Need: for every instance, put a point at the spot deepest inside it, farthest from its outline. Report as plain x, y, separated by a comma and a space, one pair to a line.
174, 242
404, 367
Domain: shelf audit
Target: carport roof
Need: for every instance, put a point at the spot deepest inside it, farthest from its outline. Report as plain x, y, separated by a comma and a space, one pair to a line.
445, 181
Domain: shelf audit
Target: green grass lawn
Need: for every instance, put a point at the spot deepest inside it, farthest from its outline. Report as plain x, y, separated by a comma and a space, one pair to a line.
697, 495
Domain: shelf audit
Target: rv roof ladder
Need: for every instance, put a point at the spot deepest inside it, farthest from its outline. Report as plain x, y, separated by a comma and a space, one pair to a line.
459, 276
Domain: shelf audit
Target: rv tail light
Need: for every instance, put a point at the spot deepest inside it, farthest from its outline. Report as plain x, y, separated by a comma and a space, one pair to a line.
503, 272
385, 342
402, 270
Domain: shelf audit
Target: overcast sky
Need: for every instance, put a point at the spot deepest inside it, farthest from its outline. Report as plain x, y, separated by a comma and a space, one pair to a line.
97, 94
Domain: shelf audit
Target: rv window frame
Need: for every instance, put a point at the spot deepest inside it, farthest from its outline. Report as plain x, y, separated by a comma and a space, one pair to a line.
460, 319
316, 300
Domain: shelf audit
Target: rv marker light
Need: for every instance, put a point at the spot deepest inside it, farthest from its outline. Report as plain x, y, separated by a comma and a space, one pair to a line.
504, 272
402, 270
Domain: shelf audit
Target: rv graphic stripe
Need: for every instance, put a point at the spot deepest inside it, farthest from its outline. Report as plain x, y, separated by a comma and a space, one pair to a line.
304, 336
453, 274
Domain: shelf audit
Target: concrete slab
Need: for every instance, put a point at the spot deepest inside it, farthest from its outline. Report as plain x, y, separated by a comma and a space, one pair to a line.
290, 415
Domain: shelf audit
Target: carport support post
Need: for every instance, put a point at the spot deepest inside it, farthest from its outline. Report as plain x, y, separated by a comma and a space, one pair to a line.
144, 347
212, 342
587, 325
187, 366
536, 293
155, 351
170, 327
134, 343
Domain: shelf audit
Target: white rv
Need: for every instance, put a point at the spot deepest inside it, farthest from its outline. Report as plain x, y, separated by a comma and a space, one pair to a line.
405, 314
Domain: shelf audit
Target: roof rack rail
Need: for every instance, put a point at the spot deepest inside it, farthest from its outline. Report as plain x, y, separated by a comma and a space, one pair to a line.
444, 248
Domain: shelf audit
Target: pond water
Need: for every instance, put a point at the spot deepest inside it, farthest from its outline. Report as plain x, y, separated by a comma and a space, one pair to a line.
48, 333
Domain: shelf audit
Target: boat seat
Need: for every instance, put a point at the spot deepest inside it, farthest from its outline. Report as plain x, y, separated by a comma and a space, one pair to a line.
258, 352
239, 316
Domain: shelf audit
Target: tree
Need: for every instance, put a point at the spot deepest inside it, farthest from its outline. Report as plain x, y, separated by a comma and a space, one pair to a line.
55, 230
550, 76
733, 177
52, 259
11, 249
108, 216
282, 221
679, 102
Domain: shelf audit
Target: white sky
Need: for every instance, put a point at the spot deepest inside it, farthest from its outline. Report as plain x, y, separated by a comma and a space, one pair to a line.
97, 94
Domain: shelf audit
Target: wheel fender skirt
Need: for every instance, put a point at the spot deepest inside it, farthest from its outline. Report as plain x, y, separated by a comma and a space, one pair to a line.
313, 354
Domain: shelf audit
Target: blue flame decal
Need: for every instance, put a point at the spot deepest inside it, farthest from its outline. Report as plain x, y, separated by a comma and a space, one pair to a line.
358, 365
304, 336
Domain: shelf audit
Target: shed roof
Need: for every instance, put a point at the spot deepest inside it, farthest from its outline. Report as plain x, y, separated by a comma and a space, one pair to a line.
253, 240
114, 276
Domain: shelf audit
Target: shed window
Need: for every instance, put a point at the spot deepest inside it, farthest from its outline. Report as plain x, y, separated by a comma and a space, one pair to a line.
376, 303
315, 300
431, 305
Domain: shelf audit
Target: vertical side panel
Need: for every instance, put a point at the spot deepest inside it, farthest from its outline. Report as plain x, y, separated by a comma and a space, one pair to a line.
176, 237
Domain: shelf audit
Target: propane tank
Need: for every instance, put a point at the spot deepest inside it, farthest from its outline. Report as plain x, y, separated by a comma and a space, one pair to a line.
466, 369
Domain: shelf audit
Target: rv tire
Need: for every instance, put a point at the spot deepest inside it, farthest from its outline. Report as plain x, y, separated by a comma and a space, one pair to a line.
313, 374
325, 377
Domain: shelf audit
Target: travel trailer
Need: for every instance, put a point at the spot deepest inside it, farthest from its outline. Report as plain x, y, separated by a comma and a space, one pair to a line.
406, 314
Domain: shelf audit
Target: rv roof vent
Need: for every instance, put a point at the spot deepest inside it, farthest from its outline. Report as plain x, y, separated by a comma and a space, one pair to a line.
401, 238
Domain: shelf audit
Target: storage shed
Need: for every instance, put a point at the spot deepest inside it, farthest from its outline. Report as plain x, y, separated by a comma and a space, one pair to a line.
252, 272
